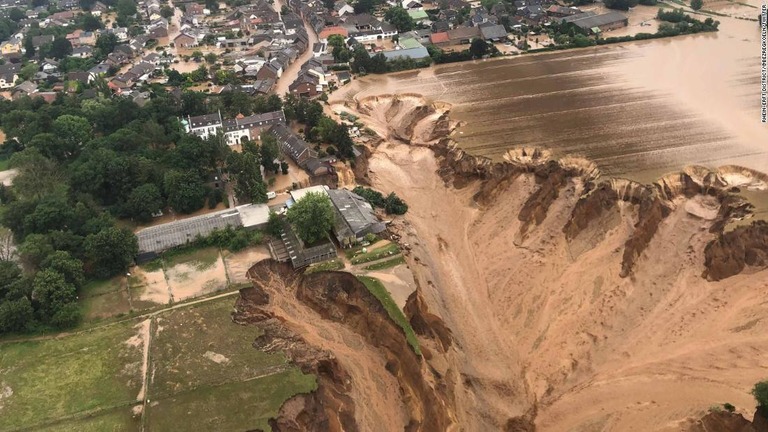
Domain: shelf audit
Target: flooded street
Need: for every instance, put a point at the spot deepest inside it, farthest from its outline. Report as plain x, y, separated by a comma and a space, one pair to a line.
638, 110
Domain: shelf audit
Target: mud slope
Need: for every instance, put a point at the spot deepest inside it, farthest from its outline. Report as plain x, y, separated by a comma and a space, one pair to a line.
331, 326
575, 302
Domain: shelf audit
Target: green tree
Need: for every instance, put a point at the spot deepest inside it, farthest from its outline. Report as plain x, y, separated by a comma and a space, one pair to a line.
365, 6
66, 265
105, 44
143, 201
197, 55
126, 8
175, 78
34, 250
620, 4
478, 48
697, 4
760, 392
398, 17
60, 48
269, 153
312, 217
16, 315
244, 169
16, 14
185, 191
29, 47
73, 132
27, 72
211, 58
52, 291
394, 205
110, 251
166, 12
90, 23
274, 224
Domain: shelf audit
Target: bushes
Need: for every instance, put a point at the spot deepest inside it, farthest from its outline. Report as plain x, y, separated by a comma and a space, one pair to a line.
760, 392
392, 204
373, 197
232, 239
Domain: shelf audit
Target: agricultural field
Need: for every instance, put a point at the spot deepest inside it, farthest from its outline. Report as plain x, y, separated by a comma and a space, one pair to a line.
70, 377
172, 278
189, 365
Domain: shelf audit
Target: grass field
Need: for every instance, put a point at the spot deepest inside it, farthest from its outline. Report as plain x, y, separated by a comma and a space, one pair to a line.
116, 420
375, 254
377, 289
203, 374
57, 378
237, 406
334, 264
201, 346
387, 263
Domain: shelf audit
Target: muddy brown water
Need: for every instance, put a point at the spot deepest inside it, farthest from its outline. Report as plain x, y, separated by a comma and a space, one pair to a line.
638, 110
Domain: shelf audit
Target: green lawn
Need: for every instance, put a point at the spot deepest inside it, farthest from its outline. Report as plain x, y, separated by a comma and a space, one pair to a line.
201, 259
201, 346
238, 406
335, 264
54, 378
376, 288
116, 420
104, 298
373, 255
4, 164
381, 265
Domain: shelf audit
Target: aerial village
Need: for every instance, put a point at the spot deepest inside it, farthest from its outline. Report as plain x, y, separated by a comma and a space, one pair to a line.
262, 46
301, 48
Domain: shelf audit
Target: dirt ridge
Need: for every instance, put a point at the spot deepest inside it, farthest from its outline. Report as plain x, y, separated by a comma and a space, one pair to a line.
338, 298
654, 202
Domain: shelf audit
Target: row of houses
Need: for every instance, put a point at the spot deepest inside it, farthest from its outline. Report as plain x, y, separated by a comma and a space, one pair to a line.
235, 130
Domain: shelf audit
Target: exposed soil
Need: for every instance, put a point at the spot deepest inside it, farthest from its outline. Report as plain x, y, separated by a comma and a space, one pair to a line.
547, 297
330, 325
574, 302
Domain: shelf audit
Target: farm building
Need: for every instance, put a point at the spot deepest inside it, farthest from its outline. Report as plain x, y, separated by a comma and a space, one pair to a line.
290, 248
598, 23
354, 217
156, 239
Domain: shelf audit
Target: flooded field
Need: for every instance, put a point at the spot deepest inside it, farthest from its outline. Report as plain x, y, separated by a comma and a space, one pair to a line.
638, 110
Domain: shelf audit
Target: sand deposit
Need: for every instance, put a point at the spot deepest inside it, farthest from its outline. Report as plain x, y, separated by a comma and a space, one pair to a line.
196, 278
546, 326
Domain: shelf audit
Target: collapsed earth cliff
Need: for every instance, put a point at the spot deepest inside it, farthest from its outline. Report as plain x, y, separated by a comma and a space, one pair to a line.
357, 352
548, 298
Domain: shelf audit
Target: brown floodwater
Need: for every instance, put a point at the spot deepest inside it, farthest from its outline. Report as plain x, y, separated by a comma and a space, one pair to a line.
638, 110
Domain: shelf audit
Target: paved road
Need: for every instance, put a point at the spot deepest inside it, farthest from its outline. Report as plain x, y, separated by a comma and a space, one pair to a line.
289, 75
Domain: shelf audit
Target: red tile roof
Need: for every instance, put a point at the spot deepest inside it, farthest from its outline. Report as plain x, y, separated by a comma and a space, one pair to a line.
439, 37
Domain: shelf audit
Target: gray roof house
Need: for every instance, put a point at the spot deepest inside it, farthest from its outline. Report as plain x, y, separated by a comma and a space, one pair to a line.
354, 217
493, 32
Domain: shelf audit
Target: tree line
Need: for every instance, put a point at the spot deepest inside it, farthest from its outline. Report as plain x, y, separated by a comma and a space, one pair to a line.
84, 164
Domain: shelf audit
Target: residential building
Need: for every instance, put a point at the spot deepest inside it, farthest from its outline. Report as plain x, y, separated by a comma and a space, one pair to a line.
84, 51
293, 146
9, 73
183, 40
204, 125
250, 128
343, 8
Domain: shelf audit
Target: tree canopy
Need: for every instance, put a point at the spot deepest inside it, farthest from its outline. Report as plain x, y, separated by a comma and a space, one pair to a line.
311, 217
398, 17
760, 392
